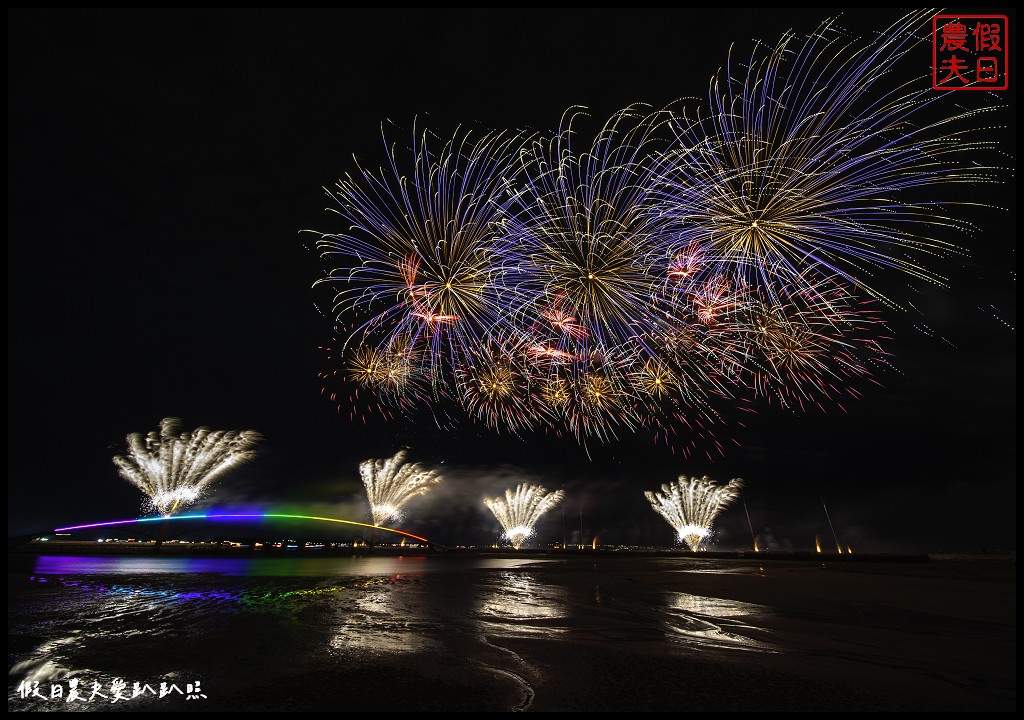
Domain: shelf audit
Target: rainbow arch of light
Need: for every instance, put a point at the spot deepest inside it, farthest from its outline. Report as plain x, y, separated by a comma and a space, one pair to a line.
236, 516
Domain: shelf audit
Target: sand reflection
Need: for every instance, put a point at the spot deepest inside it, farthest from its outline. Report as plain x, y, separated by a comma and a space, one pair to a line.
518, 604
385, 615
715, 622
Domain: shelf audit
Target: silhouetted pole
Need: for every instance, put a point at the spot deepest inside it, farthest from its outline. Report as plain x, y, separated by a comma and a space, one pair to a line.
581, 526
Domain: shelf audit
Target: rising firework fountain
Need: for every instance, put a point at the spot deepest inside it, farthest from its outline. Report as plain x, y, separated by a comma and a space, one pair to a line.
691, 505
174, 468
520, 509
391, 482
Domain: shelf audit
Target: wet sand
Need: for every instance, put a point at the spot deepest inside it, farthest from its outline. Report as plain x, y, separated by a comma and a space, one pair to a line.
844, 637
608, 633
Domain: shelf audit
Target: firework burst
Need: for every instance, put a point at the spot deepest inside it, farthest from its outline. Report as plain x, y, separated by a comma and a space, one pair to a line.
589, 244
811, 348
813, 155
672, 267
367, 380
174, 468
494, 386
422, 255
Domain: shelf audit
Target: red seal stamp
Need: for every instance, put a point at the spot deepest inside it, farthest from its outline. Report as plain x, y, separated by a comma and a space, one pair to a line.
970, 52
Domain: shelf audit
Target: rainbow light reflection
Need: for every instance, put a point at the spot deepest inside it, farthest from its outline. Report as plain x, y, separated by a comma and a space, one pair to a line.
237, 516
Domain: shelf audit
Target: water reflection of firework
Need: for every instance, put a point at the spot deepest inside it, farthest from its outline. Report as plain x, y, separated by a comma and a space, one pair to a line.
691, 505
520, 509
173, 468
391, 482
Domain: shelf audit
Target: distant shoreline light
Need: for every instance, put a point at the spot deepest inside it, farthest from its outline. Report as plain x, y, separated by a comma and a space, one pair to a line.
236, 516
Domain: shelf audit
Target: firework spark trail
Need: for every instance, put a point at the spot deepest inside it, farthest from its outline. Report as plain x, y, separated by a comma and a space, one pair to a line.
589, 245
494, 385
690, 505
391, 482
670, 268
173, 468
839, 548
809, 157
807, 347
520, 509
422, 254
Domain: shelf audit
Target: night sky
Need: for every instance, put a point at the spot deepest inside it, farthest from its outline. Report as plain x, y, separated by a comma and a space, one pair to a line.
161, 168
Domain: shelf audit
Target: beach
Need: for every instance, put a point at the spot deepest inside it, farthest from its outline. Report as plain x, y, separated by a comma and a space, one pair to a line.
499, 633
